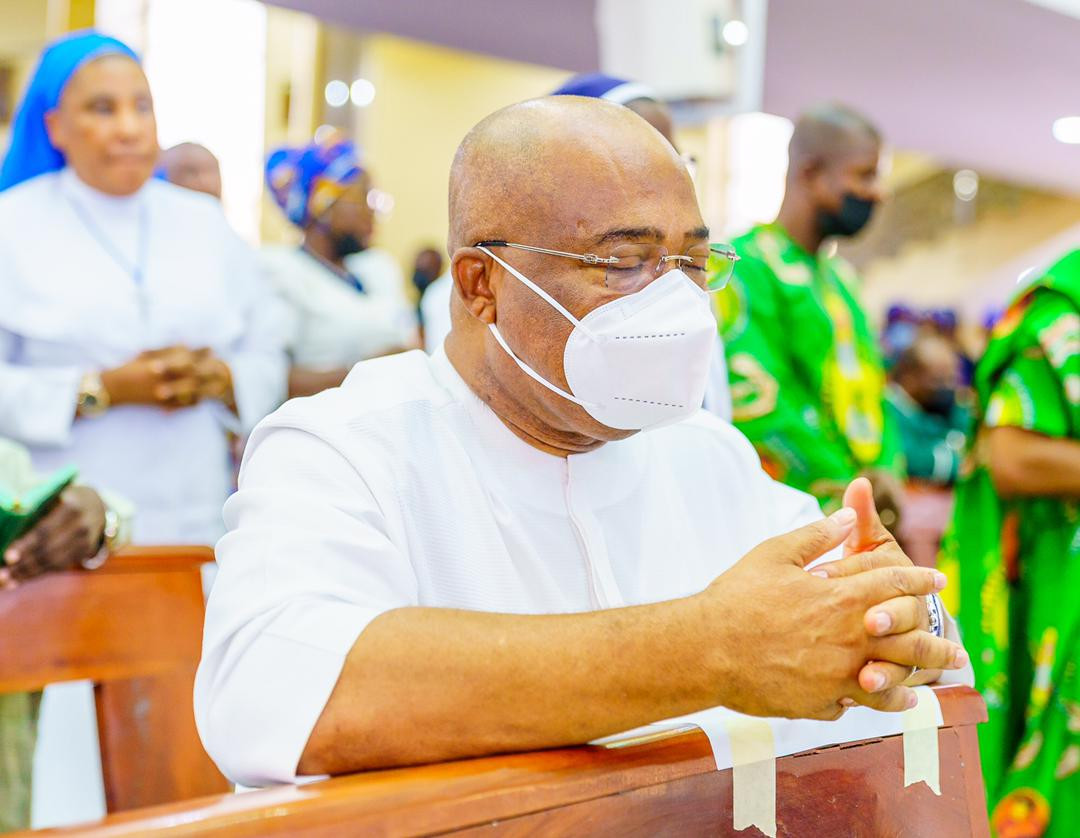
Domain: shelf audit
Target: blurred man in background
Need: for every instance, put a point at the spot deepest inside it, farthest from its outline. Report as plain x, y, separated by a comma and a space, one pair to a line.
807, 379
922, 400
192, 166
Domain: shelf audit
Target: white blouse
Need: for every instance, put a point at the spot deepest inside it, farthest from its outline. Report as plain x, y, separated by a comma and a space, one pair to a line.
334, 325
70, 303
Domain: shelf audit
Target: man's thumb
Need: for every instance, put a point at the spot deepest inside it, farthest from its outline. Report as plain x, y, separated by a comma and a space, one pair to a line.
869, 531
802, 546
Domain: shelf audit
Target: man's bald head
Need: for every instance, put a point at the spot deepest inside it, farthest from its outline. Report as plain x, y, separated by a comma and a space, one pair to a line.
192, 166
524, 170
832, 177
567, 173
827, 132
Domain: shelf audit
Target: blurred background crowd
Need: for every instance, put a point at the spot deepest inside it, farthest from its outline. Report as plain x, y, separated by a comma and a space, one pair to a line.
900, 180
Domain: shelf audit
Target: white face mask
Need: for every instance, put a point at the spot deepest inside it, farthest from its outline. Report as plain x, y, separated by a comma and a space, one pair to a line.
638, 362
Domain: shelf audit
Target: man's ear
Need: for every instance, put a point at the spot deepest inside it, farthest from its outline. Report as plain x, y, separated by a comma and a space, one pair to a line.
54, 128
471, 272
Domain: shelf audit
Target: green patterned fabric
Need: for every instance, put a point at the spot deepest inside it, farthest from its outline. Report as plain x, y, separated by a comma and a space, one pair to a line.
1017, 563
807, 380
18, 736
18, 711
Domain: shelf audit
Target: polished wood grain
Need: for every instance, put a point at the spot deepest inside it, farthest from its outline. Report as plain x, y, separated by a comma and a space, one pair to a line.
666, 786
134, 628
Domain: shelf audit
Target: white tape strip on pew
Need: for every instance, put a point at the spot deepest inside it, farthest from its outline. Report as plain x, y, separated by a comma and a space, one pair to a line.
750, 747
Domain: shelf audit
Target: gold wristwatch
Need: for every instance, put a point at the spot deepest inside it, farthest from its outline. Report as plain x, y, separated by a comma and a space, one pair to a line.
93, 397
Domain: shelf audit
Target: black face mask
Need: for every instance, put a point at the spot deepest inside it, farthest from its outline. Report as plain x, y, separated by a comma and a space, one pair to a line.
940, 401
852, 216
345, 244
421, 280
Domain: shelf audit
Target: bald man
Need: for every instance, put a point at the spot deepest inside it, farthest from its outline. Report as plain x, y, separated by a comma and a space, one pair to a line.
807, 378
478, 552
192, 166
921, 397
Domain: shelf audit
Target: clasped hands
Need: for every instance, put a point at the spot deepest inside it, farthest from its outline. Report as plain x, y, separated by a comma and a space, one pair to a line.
851, 631
171, 378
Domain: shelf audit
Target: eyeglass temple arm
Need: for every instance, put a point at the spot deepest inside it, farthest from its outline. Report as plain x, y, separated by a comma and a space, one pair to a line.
588, 258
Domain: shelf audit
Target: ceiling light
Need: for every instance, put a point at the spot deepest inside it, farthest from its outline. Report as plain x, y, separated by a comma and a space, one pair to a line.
965, 184
736, 33
337, 93
362, 93
1067, 129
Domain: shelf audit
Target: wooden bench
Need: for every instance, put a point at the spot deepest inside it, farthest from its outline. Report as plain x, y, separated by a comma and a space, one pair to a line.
666, 785
134, 628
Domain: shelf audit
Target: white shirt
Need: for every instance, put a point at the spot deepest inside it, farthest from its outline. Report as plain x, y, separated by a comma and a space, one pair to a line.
69, 306
334, 324
435, 308
402, 488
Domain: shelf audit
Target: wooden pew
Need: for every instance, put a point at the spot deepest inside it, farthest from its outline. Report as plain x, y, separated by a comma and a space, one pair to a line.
134, 628
665, 785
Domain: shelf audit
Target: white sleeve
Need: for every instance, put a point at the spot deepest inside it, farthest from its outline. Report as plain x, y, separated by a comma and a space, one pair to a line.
257, 360
37, 404
305, 565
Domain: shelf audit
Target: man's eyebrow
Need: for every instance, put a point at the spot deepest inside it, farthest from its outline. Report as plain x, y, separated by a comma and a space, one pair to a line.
647, 233
620, 233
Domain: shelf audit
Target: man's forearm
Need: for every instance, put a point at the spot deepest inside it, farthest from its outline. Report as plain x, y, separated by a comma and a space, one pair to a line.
426, 684
1026, 464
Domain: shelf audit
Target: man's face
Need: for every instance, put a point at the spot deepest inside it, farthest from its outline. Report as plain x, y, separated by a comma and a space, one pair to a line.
937, 370
104, 125
197, 169
351, 216
852, 170
594, 203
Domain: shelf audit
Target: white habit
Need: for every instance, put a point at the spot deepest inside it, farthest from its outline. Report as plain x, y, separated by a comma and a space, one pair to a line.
69, 305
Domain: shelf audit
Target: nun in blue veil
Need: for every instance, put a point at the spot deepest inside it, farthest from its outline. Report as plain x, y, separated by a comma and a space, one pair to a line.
136, 334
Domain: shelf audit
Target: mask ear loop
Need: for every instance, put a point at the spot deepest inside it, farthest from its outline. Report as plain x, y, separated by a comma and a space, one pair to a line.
541, 293
525, 368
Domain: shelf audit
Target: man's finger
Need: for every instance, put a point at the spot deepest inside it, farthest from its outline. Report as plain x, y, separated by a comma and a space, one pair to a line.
897, 616
919, 649
800, 547
885, 555
895, 700
884, 583
869, 532
880, 676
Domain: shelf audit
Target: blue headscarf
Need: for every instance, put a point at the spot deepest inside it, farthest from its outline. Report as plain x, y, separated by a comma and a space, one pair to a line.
600, 86
30, 153
305, 182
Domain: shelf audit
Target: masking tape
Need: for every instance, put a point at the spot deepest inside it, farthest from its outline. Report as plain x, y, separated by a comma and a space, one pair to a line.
922, 762
753, 774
